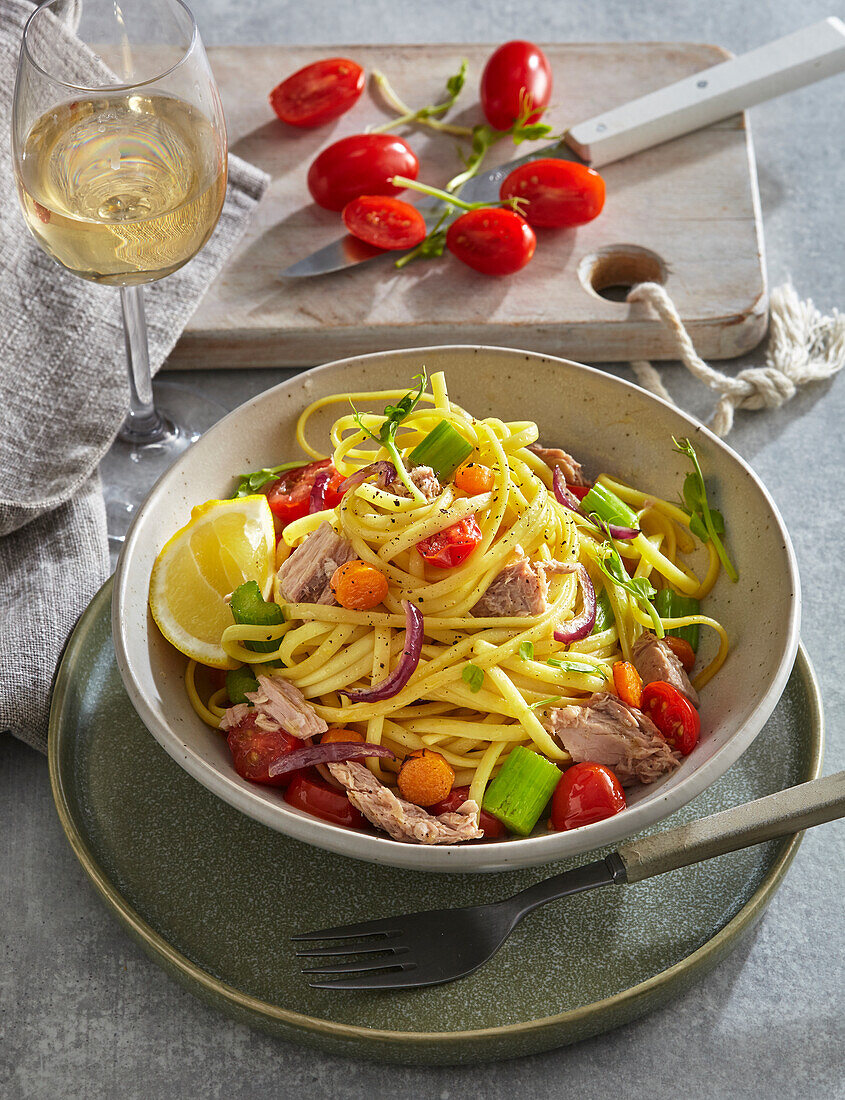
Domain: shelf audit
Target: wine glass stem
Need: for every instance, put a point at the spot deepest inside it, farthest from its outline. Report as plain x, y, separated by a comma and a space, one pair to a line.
143, 423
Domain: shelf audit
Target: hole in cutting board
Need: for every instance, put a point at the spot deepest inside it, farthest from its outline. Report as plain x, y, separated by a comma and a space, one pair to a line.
612, 271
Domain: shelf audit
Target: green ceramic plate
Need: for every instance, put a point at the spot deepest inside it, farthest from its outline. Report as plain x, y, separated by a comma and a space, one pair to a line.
212, 895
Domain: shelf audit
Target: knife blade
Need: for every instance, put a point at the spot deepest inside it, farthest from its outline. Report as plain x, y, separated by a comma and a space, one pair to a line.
708, 96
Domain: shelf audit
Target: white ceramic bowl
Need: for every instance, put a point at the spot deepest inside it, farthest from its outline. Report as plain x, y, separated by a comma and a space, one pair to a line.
610, 426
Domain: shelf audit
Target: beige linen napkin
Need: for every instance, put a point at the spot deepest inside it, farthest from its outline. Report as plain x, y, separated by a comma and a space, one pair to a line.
63, 396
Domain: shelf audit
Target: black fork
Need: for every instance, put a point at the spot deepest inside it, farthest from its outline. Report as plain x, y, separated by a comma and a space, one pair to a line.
420, 949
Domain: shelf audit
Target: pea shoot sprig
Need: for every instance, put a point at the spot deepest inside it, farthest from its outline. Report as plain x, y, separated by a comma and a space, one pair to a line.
706, 523
393, 417
424, 116
484, 137
642, 590
435, 242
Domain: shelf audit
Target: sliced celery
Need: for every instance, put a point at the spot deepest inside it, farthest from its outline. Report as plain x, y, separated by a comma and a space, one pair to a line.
444, 449
238, 682
609, 507
519, 793
249, 607
604, 613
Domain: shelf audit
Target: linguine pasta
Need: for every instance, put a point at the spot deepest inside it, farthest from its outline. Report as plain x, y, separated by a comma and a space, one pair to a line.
483, 685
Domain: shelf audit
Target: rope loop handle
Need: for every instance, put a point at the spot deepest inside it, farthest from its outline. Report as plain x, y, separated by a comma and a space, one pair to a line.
804, 346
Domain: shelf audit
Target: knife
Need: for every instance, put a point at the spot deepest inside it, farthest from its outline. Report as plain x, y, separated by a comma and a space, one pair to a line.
791, 62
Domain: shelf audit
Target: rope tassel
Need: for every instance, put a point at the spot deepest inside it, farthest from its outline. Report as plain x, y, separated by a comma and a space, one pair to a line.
804, 346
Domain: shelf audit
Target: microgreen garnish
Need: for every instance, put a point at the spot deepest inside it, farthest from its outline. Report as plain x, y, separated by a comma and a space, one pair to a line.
474, 676
484, 137
610, 563
705, 522
544, 702
255, 481
424, 116
394, 415
572, 666
526, 651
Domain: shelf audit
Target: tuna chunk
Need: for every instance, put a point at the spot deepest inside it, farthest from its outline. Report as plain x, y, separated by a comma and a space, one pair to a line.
306, 574
277, 705
403, 820
554, 456
520, 589
609, 732
654, 660
422, 476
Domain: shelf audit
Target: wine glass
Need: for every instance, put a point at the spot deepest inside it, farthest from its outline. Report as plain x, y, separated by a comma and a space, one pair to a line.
120, 155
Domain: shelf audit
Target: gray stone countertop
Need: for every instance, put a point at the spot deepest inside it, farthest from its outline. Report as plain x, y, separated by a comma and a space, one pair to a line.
84, 1013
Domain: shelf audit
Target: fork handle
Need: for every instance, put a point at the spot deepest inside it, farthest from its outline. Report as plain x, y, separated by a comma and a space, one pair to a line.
776, 815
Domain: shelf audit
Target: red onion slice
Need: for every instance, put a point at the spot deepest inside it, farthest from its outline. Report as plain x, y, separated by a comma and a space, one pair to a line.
317, 501
332, 752
582, 624
385, 471
568, 500
407, 662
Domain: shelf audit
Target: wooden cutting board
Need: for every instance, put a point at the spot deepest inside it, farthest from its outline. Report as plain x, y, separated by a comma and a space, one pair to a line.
686, 213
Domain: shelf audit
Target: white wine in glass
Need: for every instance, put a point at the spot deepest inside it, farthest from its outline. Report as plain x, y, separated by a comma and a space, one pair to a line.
120, 157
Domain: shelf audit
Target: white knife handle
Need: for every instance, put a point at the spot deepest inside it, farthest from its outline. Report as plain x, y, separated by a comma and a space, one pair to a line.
782, 66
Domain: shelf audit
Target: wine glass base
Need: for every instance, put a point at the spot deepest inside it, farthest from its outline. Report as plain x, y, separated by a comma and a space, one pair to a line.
130, 469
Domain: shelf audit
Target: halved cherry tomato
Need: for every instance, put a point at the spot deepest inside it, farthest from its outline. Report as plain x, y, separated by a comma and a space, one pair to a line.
362, 164
450, 547
491, 826
673, 714
289, 497
318, 92
491, 240
586, 793
682, 650
384, 222
628, 683
254, 750
516, 71
473, 478
557, 192
579, 491
320, 800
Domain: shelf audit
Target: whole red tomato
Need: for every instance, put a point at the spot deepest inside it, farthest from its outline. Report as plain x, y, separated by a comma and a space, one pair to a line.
254, 750
318, 93
492, 241
585, 793
361, 164
320, 800
556, 192
384, 221
516, 72
673, 714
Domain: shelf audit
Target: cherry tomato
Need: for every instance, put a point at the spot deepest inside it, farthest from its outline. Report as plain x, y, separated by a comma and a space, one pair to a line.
254, 750
384, 222
579, 491
360, 165
492, 827
682, 650
320, 800
290, 496
585, 793
557, 192
318, 93
453, 545
514, 72
673, 714
492, 241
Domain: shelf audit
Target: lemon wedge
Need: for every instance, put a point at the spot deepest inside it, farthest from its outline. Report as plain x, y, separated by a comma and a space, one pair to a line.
226, 543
